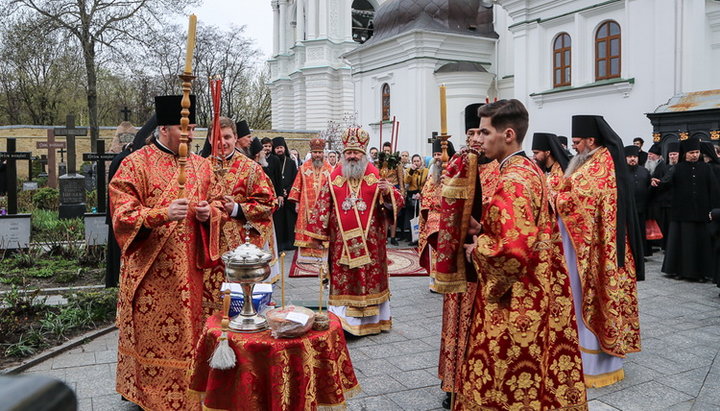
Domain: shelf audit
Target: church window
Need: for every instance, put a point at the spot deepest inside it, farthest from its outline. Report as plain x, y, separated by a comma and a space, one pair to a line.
607, 51
561, 60
386, 102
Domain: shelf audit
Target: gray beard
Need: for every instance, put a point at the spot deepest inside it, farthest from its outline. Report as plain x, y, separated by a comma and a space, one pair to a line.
652, 165
673, 162
261, 159
579, 159
435, 172
354, 170
318, 163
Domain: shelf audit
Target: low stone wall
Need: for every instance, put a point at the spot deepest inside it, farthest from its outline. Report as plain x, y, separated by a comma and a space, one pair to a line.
27, 138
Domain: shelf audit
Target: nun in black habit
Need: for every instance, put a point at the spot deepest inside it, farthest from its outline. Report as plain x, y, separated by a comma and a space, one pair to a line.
689, 251
285, 217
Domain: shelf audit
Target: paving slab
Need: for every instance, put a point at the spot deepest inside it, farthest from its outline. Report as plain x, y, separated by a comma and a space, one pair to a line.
678, 369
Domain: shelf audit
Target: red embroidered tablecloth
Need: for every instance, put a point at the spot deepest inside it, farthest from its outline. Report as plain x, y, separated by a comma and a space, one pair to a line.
275, 374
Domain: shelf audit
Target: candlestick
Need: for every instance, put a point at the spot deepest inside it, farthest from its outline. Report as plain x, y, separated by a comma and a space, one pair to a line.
320, 298
190, 44
443, 110
282, 279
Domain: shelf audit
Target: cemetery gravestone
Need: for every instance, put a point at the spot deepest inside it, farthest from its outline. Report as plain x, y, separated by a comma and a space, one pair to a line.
14, 227
96, 230
72, 184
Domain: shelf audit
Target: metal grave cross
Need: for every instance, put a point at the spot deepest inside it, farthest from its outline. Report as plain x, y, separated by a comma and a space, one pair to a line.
100, 158
126, 113
12, 156
70, 132
51, 145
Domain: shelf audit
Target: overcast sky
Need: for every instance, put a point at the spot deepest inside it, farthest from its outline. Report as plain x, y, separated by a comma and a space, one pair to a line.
256, 15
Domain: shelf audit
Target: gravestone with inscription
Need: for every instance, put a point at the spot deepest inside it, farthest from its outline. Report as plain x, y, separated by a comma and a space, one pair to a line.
96, 229
14, 227
72, 184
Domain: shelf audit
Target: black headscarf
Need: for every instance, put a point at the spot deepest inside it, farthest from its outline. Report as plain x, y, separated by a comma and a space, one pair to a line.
255, 147
585, 126
550, 142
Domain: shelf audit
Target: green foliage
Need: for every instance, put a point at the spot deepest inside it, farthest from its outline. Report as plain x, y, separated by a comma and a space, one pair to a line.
60, 235
90, 200
3, 202
68, 276
389, 161
46, 198
99, 305
28, 344
24, 201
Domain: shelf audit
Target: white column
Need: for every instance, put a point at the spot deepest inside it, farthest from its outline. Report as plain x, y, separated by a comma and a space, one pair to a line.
276, 27
323, 19
312, 19
300, 22
283, 26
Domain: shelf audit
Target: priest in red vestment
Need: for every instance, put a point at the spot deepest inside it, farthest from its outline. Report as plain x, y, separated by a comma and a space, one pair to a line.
352, 213
160, 313
312, 175
245, 192
603, 249
460, 189
550, 156
522, 351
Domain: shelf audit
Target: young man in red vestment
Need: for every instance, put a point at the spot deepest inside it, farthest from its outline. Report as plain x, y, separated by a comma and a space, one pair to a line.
312, 175
244, 191
352, 214
522, 350
160, 313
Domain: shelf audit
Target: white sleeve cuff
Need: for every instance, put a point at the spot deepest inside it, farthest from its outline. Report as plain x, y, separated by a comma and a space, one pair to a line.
235, 210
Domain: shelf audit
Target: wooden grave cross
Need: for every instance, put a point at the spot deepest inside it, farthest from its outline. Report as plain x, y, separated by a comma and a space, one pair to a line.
51, 145
100, 158
70, 132
126, 113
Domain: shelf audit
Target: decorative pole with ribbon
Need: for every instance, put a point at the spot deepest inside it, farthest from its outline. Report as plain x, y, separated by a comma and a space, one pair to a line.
216, 136
187, 79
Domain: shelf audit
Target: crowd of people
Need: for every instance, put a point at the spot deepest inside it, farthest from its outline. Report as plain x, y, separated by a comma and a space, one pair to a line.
537, 258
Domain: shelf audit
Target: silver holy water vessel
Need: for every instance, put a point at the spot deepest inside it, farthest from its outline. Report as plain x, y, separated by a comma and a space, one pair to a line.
247, 265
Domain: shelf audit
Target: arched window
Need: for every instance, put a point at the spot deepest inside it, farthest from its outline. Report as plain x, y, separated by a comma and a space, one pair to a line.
386, 102
607, 51
561, 60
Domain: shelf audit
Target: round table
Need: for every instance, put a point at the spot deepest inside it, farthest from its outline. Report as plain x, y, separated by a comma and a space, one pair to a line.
301, 373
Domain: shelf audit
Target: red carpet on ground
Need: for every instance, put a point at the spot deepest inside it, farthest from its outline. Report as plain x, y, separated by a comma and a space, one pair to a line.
402, 262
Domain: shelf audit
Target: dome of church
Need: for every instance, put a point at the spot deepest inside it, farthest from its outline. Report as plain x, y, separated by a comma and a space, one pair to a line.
450, 16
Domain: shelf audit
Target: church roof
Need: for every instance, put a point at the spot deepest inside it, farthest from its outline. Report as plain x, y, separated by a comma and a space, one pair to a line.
461, 66
449, 16
693, 101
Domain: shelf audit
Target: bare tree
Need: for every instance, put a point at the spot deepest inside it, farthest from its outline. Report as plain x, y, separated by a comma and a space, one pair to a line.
99, 25
38, 74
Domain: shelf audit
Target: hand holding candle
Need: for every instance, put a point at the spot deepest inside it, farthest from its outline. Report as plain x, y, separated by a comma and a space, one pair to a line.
190, 44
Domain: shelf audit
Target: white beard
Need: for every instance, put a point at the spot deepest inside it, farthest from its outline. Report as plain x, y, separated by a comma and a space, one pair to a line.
354, 170
651, 165
318, 163
261, 159
579, 159
435, 171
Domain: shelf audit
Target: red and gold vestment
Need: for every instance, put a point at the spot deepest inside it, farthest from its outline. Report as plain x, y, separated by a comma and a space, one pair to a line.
304, 192
457, 307
357, 241
554, 179
523, 348
160, 304
254, 194
587, 204
429, 217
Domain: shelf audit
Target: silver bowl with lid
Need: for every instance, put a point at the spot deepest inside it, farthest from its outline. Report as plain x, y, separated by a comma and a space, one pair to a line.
247, 265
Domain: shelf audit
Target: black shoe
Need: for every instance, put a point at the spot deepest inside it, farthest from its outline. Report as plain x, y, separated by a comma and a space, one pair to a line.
394, 241
447, 401
414, 243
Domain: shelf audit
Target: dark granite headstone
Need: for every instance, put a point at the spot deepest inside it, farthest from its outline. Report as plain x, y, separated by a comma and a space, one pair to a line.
72, 196
88, 171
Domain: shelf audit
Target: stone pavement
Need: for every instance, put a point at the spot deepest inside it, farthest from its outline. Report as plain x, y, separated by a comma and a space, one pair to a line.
677, 368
